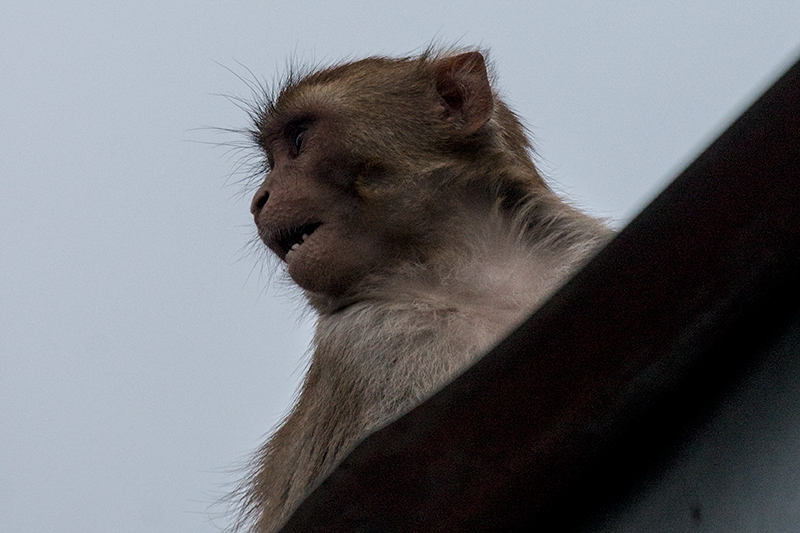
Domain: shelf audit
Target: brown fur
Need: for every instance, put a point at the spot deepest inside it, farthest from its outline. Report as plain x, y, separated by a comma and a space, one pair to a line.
433, 235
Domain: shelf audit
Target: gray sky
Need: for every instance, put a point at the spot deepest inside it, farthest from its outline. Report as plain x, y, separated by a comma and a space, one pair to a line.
143, 355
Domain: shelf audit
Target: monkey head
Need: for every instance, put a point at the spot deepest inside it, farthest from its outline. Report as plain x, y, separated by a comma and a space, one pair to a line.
366, 161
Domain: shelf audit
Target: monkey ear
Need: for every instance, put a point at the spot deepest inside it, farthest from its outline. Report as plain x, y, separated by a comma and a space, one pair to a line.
463, 85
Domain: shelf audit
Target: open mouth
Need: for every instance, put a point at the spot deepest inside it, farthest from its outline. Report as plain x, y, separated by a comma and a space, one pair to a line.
290, 240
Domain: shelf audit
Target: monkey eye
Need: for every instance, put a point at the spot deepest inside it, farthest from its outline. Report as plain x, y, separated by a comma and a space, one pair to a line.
295, 135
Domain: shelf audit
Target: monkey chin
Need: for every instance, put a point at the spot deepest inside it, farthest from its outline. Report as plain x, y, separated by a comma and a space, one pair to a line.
315, 267
305, 271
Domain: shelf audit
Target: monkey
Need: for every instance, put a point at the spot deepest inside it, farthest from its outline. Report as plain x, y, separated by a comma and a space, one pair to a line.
401, 196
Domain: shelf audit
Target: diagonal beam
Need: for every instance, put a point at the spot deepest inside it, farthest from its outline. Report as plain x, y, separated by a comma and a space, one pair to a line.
601, 385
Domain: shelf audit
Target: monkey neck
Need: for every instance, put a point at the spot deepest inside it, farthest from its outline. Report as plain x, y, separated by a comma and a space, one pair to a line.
412, 329
489, 271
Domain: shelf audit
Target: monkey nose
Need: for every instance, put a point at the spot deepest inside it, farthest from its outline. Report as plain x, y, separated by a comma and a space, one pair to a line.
260, 198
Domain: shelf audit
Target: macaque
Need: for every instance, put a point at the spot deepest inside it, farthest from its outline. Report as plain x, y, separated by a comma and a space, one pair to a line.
401, 196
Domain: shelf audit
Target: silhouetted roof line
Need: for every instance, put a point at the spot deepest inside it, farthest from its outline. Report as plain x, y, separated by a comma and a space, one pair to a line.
596, 389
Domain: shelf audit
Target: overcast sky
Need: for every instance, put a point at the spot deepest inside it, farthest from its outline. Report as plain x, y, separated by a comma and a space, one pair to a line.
143, 353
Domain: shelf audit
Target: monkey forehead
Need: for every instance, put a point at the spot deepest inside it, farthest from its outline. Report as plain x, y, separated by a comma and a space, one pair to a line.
309, 99
373, 81
376, 79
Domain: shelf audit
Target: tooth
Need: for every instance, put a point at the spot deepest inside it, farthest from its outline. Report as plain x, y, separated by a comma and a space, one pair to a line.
295, 246
305, 236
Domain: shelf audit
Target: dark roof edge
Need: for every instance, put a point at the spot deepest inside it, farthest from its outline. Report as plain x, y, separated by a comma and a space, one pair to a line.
598, 386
